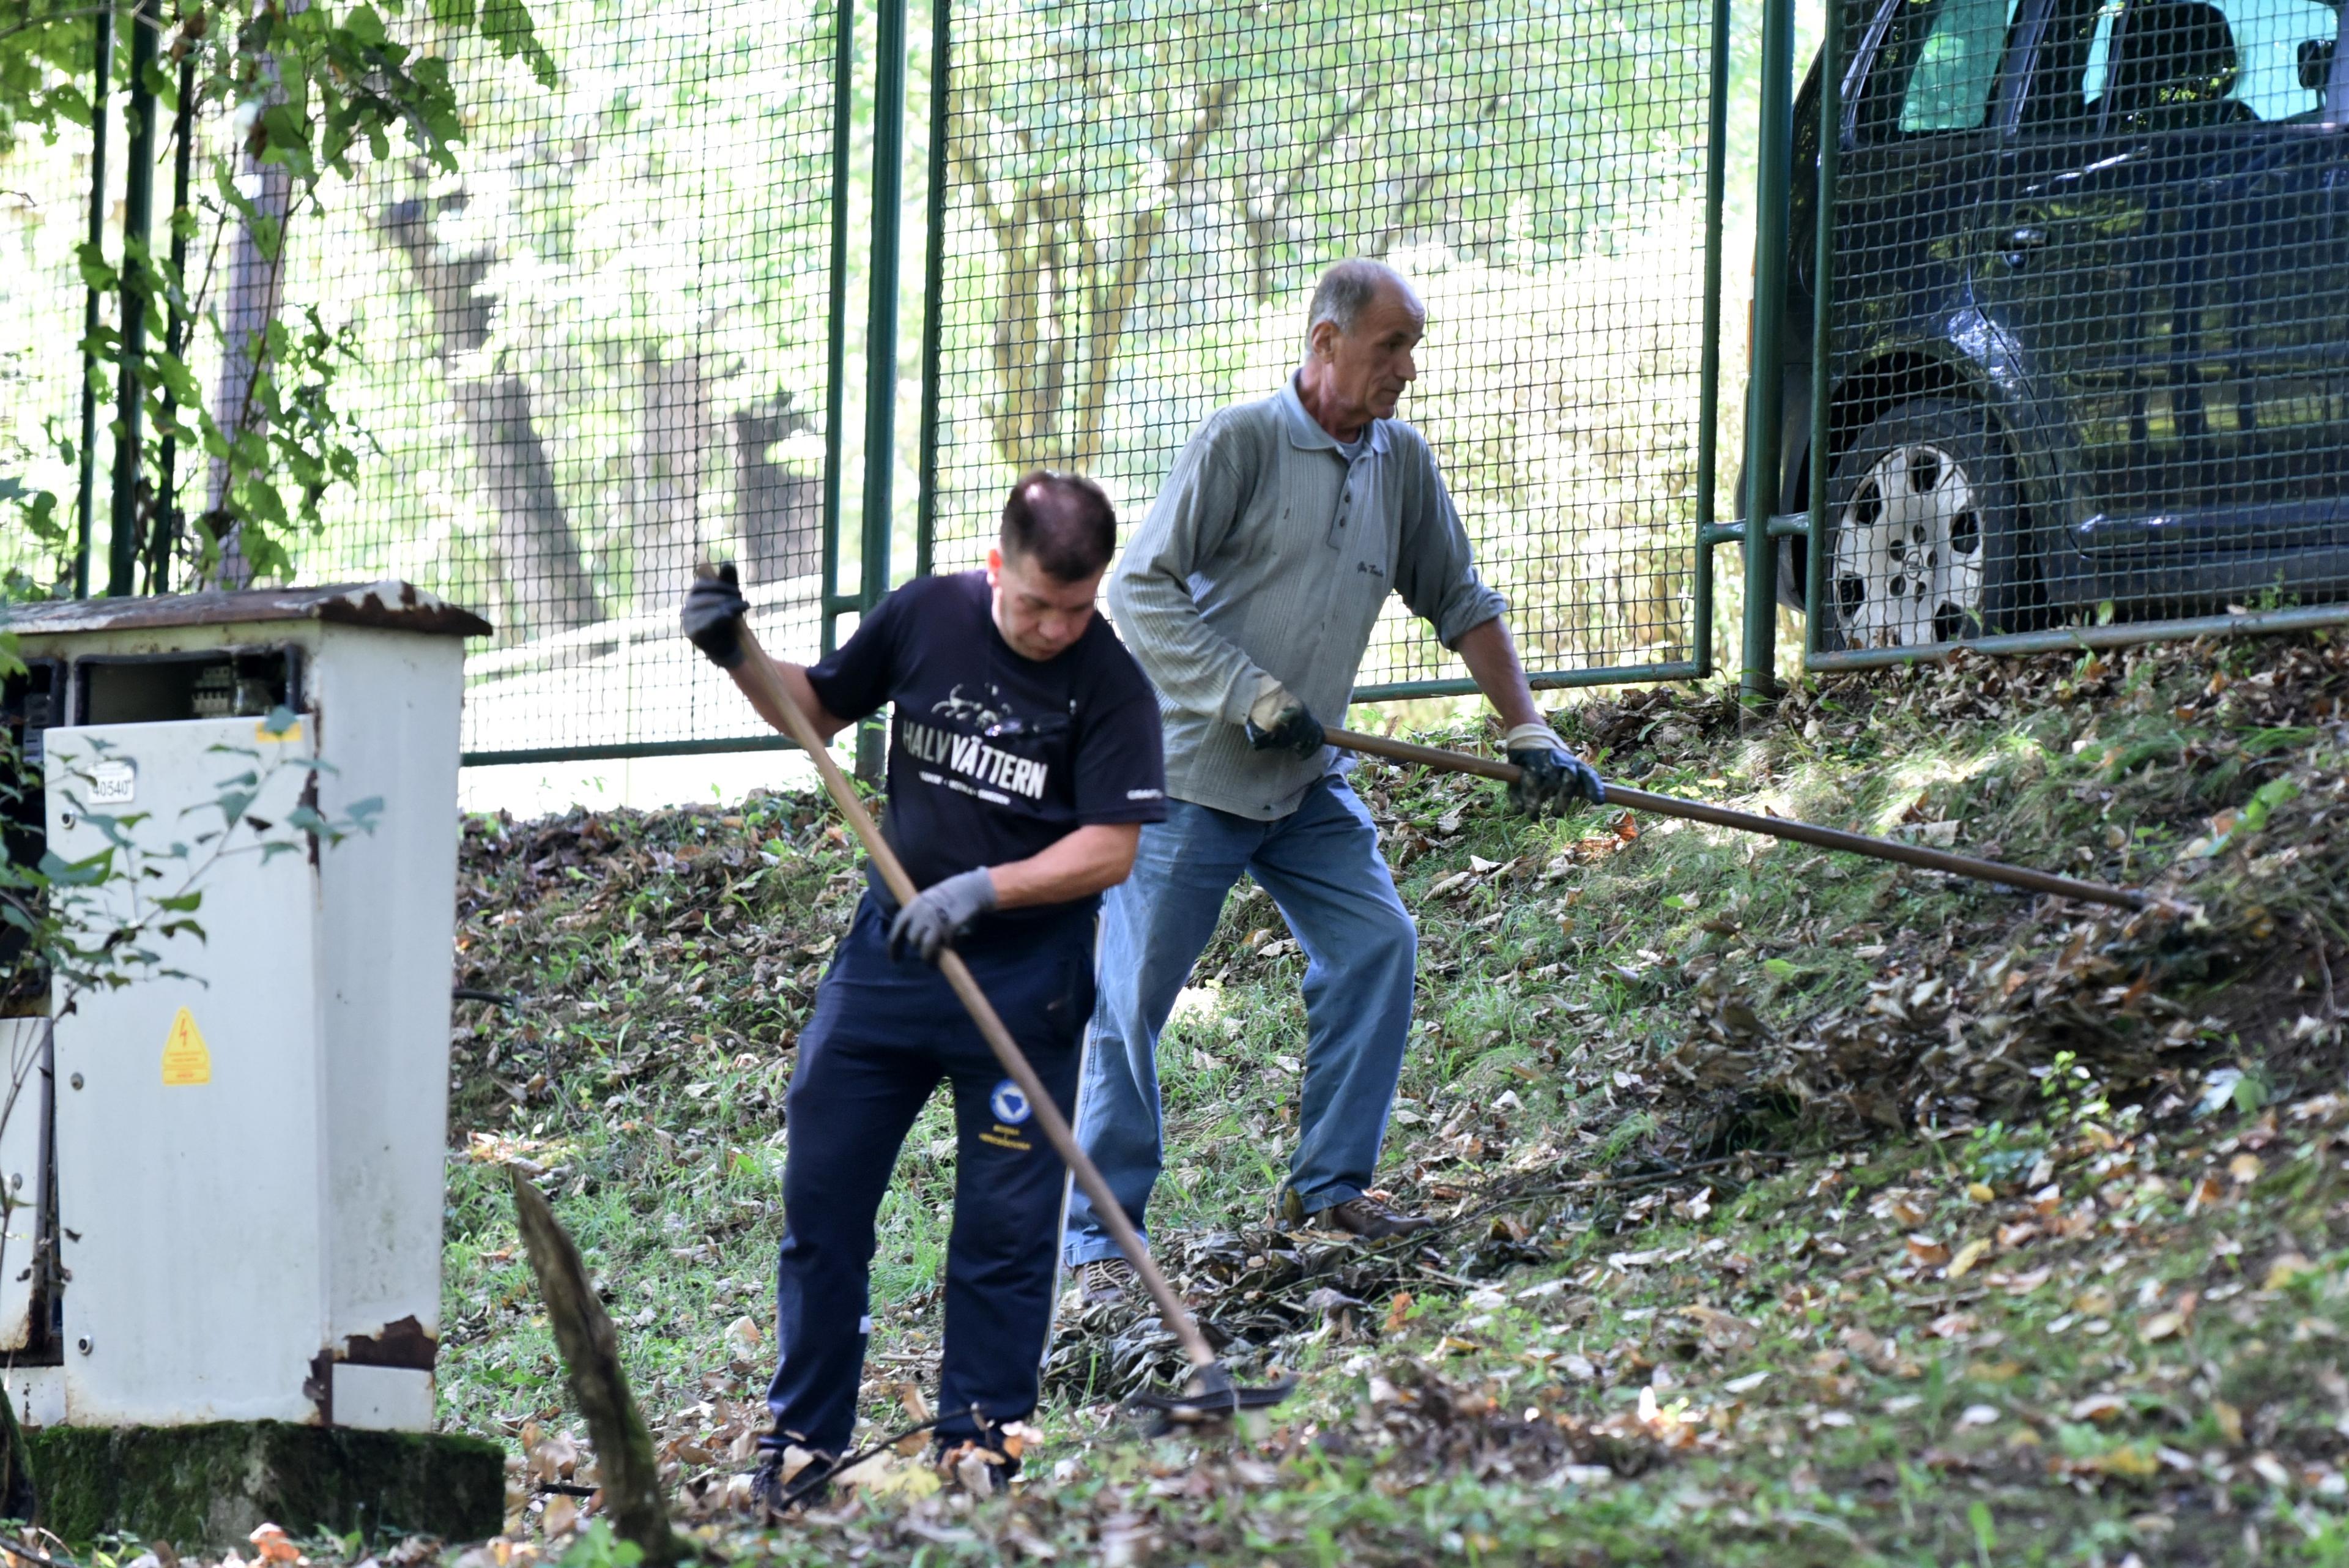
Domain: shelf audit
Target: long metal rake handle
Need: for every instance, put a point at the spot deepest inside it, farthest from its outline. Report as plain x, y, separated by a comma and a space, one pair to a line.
760, 671
1750, 822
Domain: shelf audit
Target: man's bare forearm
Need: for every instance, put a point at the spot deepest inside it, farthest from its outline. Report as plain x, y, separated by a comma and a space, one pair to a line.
794, 681
1087, 861
1491, 655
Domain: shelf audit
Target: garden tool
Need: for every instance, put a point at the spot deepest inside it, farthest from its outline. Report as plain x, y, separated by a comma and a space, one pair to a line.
1775, 827
1210, 1394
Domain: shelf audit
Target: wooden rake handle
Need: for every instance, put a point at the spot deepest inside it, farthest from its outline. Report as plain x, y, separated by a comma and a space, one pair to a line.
757, 669
1750, 822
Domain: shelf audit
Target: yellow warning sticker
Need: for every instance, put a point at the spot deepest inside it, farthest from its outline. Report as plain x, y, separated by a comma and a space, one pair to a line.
186, 1059
289, 735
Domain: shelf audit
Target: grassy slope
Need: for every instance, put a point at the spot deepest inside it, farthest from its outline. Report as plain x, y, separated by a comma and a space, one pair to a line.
1799, 1208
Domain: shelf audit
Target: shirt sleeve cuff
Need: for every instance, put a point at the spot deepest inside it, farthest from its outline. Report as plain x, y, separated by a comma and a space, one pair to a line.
1246, 687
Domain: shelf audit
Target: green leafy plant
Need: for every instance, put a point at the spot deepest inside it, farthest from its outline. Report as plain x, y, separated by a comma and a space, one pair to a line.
318, 90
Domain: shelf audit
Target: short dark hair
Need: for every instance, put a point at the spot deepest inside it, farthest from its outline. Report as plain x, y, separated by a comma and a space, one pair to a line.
1062, 522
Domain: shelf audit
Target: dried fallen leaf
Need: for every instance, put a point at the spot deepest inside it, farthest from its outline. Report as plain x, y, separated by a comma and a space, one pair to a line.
2244, 1168
2230, 1422
1967, 1257
272, 1544
1926, 1252
2284, 1268
2161, 1325
562, 1515
742, 1339
1398, 1310
2099, 1407
2136, 1461
1982, 1192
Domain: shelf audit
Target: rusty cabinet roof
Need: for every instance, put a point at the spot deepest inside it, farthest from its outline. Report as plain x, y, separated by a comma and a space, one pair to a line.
390, 604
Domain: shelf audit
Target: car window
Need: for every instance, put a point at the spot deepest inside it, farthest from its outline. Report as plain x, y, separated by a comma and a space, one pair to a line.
1936, 69
2183, 64
1949, 86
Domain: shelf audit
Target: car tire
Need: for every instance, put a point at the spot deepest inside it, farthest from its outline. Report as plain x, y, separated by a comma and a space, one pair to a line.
1925, 532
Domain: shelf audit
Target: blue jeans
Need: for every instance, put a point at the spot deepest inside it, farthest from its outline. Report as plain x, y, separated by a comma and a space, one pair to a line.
1322, 866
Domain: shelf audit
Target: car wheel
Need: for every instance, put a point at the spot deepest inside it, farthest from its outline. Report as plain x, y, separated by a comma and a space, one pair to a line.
1924, 531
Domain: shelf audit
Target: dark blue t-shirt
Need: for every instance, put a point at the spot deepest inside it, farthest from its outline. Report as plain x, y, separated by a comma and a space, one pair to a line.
993, 756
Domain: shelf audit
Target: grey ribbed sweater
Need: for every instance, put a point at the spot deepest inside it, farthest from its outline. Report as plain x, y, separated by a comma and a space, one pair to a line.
1267, 553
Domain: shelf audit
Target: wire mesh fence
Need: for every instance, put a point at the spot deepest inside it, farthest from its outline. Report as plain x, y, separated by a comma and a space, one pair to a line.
590, 357
1138, 196
2088, 320
596, 354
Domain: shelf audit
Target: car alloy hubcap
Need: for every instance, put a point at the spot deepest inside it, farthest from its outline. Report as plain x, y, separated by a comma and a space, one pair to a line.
1908, 552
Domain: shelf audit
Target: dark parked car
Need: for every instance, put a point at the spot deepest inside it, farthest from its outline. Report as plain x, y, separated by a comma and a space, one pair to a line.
2091, 317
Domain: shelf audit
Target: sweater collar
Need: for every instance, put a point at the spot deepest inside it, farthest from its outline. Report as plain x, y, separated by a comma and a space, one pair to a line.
1306, 431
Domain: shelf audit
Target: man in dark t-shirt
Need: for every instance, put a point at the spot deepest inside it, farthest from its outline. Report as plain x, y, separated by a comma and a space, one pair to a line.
1024, 757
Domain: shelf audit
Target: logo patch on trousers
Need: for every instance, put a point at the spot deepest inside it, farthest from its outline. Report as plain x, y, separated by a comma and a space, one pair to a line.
1009, 1103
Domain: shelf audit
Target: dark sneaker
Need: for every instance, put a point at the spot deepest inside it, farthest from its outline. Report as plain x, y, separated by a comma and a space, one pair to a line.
772, 1495
1105, 1282
1370, 1219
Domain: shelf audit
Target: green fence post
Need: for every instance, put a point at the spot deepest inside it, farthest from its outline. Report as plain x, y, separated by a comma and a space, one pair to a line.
835, 418
175, 339
881, 333
1765, 390
1822, 448
101, 81
1708, 396
934, 286
138, 231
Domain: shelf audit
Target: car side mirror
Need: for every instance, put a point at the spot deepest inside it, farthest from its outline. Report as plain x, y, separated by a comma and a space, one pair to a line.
2316, 63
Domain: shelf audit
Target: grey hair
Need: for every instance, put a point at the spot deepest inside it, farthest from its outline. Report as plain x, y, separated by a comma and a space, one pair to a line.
1347, 288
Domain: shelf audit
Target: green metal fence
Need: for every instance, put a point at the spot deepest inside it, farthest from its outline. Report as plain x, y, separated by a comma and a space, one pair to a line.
624, 334
2087, 332
1132, 200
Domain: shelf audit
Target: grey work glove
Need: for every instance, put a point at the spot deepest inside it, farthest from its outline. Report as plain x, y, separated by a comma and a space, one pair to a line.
1550, 778
714, 607
1279, 722
940, 914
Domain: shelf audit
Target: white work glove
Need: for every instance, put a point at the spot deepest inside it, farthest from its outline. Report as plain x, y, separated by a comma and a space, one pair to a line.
1276, 720
1550, 778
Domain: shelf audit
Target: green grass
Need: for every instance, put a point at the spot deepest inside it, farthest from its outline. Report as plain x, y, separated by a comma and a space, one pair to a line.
1646, 1078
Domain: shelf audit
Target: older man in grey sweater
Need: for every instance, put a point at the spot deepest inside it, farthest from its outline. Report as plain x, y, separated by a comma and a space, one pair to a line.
1248, 596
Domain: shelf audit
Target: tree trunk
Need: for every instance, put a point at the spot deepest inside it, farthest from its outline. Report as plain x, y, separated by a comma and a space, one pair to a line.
675, 434
548, 586
779, 510
591, 1357
256, 289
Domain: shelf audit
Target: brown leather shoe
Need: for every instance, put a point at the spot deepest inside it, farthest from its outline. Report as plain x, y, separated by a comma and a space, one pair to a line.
1370, 1219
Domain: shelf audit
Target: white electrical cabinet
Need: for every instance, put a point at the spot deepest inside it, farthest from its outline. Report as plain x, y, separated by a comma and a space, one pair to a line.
244, 1158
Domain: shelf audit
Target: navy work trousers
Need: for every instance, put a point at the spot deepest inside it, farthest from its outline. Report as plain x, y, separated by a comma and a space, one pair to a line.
884, 1034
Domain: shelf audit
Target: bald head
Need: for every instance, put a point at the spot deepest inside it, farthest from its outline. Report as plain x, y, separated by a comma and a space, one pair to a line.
1351, 287
1360, 333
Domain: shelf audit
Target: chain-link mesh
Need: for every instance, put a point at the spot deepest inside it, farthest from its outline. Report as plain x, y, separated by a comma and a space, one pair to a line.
596, 354
591, 356
44, 214
2090, 315
1140, 194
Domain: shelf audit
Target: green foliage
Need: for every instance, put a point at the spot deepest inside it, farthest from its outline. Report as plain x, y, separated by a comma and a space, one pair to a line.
318, 90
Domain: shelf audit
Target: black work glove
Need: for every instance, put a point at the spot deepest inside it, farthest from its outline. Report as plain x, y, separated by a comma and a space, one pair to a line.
940, 914
1279, 722
1550, 778
714, 608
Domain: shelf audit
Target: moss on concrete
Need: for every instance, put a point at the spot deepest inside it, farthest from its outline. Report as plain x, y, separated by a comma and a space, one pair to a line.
210, 1485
